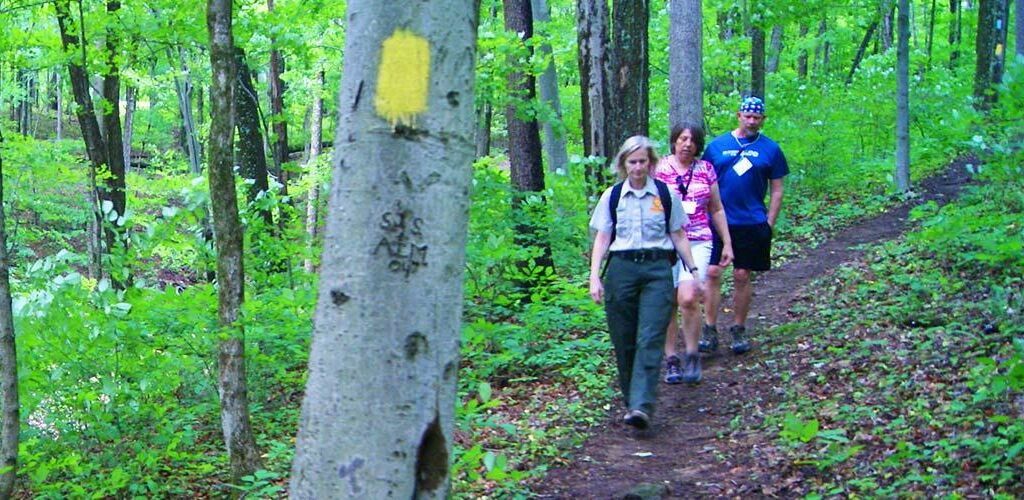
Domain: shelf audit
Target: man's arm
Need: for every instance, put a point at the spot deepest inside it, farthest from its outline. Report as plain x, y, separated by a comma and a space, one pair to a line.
775, 201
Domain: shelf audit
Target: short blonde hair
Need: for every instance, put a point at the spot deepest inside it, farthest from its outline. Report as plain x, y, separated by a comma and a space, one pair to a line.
630, 146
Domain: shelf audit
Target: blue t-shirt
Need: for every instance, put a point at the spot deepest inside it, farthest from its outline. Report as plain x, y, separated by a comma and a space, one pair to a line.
744, 182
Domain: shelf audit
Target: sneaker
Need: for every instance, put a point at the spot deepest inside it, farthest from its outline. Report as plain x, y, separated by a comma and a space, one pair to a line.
638, 419
691, 370
708, 339
740, 344
673, 371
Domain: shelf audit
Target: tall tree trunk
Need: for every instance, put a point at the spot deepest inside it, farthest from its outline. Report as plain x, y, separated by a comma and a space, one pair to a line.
183, 89
483, 131
685, 67
23, 110
592, 43
885, 34
252, 158
801, 61
984, 96
860, 51
526, 169
11, 424
129, 126
101, 151
776, 49
114, 187
903, 97
234, 398
59, 110
955, 32
547, 85
1002, 27
931, 33
757, 62
316, 121
727, 20
630, 70
825, 47
1018, 34
280, 123
378, 415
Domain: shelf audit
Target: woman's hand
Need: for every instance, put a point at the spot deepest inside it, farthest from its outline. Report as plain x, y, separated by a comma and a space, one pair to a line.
596, 288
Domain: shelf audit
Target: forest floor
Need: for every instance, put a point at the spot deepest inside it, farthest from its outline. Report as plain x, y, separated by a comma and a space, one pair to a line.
706, 440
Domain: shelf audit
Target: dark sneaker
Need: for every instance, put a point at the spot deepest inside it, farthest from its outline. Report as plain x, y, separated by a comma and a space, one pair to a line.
708, 339
740, 344
638, 419
691, 368
673, 370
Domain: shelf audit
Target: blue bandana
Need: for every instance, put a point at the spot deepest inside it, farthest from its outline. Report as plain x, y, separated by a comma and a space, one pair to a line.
752, 105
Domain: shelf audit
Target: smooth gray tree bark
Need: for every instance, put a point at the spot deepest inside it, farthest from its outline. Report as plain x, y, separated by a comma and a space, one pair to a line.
757, 62
547, 86
775, 49
11, 423
378, 414
227, 229
183, 89
903, 96
685, 66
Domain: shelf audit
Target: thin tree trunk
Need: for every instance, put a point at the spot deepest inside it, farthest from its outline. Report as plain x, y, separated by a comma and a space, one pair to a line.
592, 43
280, 123
885, 34
903, 98
129, 126
242, 452
630, 70
686, 70
316, 120
183, 89
483, 133
378, 415
801, 61
860, 51
11, 425
757, 62
826, 49
114, 187
931, 33
776, 50
547, 85
252, 158
954, 32
59, 85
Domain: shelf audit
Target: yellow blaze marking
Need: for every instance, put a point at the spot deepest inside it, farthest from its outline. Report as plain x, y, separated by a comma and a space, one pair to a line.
403, 77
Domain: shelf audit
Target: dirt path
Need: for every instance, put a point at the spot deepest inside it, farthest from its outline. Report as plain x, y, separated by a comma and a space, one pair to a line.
693, 450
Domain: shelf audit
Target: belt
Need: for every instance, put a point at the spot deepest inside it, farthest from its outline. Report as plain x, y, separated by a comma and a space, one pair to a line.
643, 255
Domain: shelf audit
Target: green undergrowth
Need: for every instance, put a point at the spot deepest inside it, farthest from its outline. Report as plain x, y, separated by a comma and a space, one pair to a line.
904, 373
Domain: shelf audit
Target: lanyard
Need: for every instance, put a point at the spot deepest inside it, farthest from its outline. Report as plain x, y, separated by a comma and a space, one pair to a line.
679, 180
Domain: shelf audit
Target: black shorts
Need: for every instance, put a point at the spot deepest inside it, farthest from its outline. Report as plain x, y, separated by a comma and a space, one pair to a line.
751, 247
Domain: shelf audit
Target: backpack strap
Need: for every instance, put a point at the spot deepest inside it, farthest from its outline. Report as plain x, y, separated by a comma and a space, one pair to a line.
613, 207
666, 202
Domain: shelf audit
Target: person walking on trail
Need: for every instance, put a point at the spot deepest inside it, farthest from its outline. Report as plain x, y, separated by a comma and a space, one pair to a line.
639, 223
696, 184
748, 164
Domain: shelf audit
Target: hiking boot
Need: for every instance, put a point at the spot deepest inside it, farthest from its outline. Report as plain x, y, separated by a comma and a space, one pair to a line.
673, 370
708, 339
691, 368
740, 344
637, 419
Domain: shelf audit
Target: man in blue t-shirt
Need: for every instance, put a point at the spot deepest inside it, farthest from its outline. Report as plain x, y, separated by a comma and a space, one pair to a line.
748, 164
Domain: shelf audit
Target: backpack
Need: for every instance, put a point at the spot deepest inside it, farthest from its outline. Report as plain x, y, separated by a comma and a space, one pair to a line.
666, 202
663, 193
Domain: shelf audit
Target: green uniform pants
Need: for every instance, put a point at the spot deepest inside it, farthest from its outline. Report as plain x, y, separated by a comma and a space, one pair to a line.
638, 305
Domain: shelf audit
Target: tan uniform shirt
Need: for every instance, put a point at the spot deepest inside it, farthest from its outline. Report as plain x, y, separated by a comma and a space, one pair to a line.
641, 218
